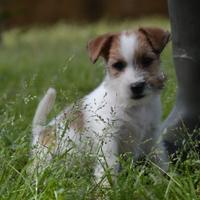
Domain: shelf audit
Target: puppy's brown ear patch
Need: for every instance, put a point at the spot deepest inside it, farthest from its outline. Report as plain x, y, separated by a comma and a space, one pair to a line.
99, 46
157, 38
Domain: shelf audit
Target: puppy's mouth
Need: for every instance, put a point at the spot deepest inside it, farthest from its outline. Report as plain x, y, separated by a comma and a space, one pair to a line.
137, 96
151, 85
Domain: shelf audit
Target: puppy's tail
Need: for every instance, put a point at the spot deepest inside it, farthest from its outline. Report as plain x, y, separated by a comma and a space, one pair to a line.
43, 109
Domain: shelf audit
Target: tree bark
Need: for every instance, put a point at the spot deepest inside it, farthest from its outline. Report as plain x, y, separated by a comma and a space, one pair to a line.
185, 116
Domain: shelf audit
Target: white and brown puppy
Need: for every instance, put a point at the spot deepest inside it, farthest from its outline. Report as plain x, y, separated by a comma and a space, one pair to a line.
122, 114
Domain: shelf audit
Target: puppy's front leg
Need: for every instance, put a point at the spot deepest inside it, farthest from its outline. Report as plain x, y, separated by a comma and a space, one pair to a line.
160, 157
106, 166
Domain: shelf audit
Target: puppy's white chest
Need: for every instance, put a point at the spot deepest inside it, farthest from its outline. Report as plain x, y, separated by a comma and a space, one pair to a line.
139, 129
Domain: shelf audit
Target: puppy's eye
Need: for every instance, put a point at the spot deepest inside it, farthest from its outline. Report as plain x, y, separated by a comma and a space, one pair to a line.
120, 65
146, 61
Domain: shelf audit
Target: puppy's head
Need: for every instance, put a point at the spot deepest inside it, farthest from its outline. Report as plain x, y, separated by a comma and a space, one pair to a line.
132, 61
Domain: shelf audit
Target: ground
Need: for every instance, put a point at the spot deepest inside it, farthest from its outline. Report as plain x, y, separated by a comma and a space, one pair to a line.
34, 59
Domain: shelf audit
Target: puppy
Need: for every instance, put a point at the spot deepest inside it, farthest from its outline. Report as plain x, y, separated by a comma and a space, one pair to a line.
121, 115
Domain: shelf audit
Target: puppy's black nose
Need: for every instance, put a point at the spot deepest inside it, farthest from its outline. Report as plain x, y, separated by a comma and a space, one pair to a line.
138, 89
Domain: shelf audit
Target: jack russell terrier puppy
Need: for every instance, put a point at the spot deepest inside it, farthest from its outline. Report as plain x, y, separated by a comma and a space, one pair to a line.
121, 115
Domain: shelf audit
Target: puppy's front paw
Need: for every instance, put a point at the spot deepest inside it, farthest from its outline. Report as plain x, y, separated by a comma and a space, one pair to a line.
104, 176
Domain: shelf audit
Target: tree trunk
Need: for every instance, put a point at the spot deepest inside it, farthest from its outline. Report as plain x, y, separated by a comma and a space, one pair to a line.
185, 116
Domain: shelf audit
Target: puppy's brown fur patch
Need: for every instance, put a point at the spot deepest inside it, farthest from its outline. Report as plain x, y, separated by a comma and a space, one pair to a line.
154, 77
114, 55
73, 117
48, 137
77, 122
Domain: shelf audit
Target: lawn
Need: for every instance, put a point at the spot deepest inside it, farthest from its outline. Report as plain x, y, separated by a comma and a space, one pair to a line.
34, 59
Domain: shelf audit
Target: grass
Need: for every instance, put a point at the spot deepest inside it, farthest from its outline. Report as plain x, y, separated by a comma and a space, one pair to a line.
31, 61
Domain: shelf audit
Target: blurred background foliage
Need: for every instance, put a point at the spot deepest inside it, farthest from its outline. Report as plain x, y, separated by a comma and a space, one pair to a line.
23, 12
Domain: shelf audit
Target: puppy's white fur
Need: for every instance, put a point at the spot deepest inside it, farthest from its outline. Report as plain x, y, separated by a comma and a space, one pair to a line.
112, 119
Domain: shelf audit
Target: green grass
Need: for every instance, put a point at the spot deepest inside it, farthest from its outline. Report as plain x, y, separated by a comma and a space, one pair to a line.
33, 60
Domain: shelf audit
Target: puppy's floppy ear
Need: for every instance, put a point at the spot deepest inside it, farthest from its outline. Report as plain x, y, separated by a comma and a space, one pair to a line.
99, 46
157, 38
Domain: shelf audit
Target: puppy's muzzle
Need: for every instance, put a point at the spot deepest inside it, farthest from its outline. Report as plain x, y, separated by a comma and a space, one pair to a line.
137, 89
